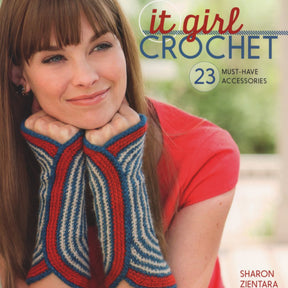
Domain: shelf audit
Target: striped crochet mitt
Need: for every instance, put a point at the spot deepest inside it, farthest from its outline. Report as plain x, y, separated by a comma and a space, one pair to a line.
61, 244
130, 247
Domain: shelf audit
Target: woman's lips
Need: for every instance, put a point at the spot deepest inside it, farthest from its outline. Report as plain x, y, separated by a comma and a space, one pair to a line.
89, 99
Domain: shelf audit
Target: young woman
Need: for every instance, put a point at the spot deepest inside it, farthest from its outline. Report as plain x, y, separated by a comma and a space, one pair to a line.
74, 208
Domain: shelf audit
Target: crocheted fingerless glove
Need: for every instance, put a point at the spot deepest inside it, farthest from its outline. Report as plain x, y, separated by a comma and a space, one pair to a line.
61, 244
130, 247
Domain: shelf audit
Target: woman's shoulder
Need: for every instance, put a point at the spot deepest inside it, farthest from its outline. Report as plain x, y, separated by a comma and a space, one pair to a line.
205, 157
192, 132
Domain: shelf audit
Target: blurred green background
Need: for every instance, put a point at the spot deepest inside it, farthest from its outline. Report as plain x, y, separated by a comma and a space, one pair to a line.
254, 234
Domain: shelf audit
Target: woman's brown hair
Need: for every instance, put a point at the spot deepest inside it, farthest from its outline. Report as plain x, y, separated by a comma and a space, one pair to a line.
25, 28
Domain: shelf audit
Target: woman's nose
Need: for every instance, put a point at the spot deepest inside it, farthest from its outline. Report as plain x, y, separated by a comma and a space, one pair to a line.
85, 74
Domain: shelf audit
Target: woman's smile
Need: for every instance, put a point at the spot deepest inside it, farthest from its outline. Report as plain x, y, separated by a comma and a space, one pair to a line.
91, 99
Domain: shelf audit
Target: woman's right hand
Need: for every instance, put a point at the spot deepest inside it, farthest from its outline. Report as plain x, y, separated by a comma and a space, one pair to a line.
42, 123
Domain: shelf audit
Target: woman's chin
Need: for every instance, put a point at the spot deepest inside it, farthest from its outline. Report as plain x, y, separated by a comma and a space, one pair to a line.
86, 121
90, 125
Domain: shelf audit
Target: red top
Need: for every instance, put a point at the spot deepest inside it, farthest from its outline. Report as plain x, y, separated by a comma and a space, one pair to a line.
200, 161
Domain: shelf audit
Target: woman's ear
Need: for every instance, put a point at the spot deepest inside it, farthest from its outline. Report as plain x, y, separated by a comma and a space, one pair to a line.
16, 75
18, 78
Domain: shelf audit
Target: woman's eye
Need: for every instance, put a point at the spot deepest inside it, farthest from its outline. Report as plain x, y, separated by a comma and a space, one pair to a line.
102, 46
53, 59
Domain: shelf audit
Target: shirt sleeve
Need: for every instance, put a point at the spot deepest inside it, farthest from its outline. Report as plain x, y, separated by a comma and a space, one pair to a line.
210, 168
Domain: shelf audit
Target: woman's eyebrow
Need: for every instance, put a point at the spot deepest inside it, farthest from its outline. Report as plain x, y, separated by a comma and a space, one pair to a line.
97, 35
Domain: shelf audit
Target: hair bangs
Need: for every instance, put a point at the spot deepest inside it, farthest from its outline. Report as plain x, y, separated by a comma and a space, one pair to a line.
102, 16
44, 19
60, 20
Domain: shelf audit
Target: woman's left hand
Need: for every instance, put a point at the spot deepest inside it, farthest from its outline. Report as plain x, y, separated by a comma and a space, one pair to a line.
125, 118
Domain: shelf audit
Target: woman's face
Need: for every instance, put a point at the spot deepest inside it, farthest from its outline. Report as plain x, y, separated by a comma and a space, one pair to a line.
82, 85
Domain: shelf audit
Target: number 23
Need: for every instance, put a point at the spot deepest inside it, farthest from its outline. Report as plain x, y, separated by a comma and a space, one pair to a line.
210, 75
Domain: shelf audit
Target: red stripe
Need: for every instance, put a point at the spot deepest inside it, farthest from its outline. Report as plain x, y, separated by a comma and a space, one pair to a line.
116, 147
150, 281
117, 204
38, 269
50, 148
54, 213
